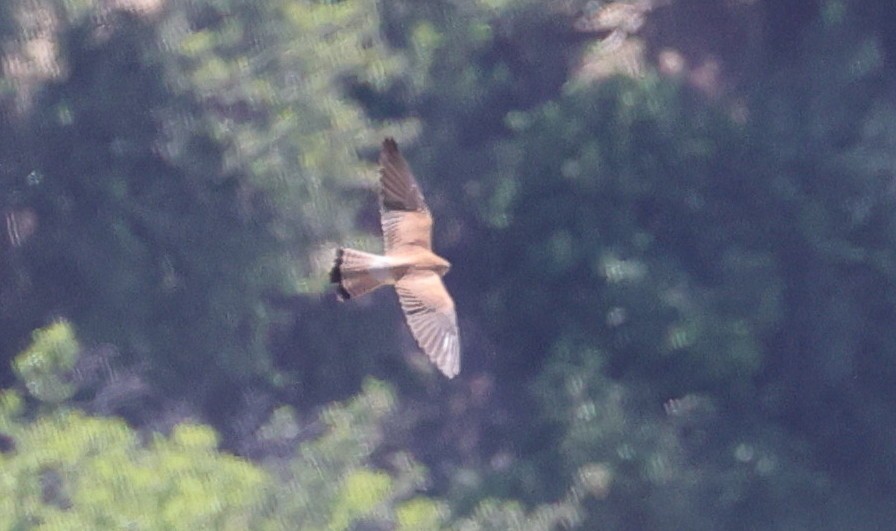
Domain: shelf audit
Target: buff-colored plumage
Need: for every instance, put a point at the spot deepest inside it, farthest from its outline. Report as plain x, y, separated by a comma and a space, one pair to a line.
408, 263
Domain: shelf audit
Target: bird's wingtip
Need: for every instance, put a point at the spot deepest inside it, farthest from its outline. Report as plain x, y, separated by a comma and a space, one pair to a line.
450, 370
389, 144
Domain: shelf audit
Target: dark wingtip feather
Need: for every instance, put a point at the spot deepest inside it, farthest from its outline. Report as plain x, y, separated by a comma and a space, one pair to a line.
398, 188
390, 145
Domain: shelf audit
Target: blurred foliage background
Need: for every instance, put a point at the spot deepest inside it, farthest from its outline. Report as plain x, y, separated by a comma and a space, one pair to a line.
673, 229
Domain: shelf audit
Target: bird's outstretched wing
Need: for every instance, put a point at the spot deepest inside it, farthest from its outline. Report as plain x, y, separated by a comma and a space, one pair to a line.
400, 190
404, 215
429, 311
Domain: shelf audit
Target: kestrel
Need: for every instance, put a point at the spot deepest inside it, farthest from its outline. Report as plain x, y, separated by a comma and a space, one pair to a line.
408, 264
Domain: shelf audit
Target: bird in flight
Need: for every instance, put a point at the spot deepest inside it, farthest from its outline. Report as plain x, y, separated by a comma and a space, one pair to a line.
408, 264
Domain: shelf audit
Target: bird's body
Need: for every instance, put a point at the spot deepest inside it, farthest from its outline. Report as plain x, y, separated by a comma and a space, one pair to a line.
358, 272
408, 263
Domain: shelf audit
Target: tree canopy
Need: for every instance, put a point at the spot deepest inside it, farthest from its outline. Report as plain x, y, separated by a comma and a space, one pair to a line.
671, 224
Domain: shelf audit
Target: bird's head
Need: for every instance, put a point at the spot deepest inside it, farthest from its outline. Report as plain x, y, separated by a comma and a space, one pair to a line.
442, 266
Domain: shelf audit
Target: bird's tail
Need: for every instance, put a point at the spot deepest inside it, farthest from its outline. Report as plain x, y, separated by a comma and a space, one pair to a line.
356, 273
